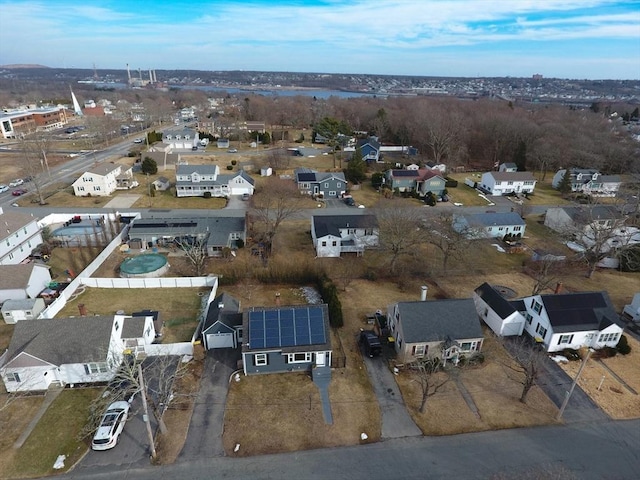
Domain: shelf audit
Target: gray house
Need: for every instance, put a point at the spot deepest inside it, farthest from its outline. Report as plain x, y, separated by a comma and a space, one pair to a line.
320, 184
222, 326
490, 225
215, 233
403, 180
286, 339
447, 329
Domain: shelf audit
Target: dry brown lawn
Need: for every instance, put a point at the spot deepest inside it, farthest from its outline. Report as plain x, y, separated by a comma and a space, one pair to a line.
495, 390
612, 396
14, 418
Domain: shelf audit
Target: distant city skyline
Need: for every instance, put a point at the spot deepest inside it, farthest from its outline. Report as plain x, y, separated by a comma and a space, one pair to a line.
579, 39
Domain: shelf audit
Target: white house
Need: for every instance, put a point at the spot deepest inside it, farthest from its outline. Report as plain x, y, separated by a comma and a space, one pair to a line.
572, 320
18, 282
104, 179
633, 309
497, 312
25, 309
508, 167
589, 181
19, 235
501, 183
180, 138
206, 181
65, 351
334, 235
490, 225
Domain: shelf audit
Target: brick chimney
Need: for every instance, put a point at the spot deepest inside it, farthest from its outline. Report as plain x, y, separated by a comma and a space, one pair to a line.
558, 288
423, 293
277, 299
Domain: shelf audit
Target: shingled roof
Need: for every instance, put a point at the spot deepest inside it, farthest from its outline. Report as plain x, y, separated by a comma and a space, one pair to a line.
570, 312
497, 302
331, 224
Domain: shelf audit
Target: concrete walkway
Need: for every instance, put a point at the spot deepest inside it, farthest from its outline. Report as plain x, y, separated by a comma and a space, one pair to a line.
49, 397
322, 378
396, 421
468, 398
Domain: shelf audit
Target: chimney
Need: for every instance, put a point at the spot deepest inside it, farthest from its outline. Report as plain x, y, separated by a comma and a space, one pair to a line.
423, 293
220, 306
277, 299
558, 288
82, 309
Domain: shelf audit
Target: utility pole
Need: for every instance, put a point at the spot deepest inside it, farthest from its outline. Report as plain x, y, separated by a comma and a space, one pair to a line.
573, 385
146, 412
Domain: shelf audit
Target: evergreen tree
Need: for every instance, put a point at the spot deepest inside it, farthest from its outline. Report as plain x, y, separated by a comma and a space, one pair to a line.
520, 156
564, 186
149, 166
376, 179
356, 171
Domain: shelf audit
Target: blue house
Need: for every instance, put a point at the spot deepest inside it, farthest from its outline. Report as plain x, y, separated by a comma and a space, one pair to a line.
370, 149
286, 339
320, 184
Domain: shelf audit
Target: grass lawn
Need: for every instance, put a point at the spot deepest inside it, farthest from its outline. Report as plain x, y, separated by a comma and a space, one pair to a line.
55, 434
178, 307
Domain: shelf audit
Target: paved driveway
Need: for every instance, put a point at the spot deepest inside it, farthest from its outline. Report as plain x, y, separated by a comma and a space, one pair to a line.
396, 421
204, 438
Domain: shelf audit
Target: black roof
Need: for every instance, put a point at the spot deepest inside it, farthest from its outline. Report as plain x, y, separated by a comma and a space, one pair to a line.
331, 224
497, 302
405, 173
570, 312
224, 308
306, 177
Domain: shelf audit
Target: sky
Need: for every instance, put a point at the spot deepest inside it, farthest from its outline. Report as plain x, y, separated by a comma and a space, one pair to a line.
579, 39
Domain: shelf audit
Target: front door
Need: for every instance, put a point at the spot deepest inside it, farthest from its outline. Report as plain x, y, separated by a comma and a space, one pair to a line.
321, 359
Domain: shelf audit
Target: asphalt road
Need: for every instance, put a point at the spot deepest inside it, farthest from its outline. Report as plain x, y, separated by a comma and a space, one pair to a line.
600, 450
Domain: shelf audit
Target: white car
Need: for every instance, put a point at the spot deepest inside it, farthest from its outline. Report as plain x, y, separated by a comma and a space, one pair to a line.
16, 183
4, 188
111, 426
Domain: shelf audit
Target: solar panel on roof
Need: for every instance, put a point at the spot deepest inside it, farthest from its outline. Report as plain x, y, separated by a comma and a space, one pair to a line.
287, 327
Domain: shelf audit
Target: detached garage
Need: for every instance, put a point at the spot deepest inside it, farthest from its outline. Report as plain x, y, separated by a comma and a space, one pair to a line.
223, 324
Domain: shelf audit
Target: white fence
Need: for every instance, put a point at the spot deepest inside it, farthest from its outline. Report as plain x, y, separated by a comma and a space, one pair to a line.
158, 349
162, 282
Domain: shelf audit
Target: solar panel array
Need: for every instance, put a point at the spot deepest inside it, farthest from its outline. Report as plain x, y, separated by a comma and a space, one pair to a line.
286, 327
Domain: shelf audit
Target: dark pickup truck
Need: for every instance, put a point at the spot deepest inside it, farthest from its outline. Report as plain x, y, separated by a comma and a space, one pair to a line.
370, 343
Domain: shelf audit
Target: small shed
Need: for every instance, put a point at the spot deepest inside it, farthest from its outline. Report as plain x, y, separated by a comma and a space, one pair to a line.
266, 171
222, 143
22, 309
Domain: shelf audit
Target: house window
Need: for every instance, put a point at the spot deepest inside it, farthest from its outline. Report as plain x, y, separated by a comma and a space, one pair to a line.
13, 377
537, 307
468, 346
326, 185
93, 368
324, 243
368, 231
540, 330
351, 231
304, 357
516, 229
565, 339
608, 337
529, 318
260, 359
418, 350
486, 312
338, 185
334, 243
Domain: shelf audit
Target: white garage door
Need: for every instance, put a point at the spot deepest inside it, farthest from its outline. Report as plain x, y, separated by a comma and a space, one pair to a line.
219, 340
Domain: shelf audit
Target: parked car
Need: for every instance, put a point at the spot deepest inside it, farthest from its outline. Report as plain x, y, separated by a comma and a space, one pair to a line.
18, 191
233, 150
246, 196
4, 188
138, 140
370, 343
111, 426
16, 183
350, 201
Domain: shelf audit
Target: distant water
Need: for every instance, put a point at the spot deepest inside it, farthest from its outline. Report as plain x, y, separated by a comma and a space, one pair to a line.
317, 93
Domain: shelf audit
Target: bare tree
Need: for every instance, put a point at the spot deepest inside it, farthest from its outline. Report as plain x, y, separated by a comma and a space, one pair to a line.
597, 232
546, 271
426, 370
277, 200
452, 242
528, 358
195, 249
400, 232
35, 162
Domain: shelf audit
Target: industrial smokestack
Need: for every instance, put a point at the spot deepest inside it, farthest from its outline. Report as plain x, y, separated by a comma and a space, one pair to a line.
423, 293
150, 76
128, 73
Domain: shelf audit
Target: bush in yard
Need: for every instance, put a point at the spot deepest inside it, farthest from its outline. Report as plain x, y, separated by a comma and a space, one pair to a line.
571, 354
149, 166
605, 352
207, 195
233, 162
329, 293
623, 346
229, 167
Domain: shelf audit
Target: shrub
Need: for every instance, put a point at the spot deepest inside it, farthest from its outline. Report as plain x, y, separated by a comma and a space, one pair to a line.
329, 293
571, 354
623, 346
149, 166
234, 162
240, 243
207, 195
605, 352
451, 183
229, 167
